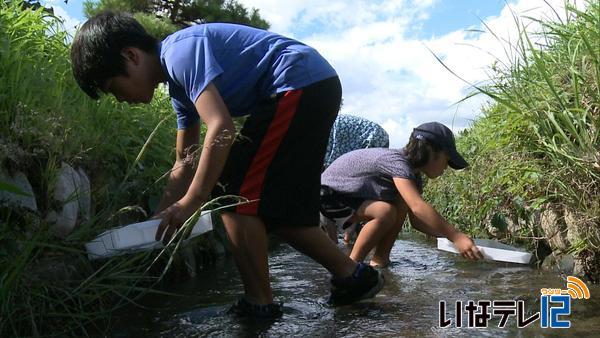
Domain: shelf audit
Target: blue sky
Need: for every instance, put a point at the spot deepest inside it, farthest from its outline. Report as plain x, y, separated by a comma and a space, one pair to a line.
381, 50
448, 16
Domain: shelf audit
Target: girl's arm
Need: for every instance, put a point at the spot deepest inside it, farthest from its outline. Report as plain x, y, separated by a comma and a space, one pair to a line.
432, 219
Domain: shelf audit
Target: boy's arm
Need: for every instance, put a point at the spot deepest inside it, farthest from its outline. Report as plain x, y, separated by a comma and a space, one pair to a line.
220, 133
435, 223
182, 173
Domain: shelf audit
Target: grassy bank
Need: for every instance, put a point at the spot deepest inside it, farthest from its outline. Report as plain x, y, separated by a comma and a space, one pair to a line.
535, 152
45, 120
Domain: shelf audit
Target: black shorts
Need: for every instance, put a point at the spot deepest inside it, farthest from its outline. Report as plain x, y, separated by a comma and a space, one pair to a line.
278, 157
336, 205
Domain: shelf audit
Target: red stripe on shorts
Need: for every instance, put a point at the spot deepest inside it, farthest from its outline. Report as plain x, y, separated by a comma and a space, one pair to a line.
255, 176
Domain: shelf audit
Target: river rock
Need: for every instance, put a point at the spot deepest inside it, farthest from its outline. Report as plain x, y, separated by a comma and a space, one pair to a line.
554, 230
20, 181
70, 193
564, 263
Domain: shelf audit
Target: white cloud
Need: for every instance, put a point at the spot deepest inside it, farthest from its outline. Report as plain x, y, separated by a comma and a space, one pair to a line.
70, 23
388, 76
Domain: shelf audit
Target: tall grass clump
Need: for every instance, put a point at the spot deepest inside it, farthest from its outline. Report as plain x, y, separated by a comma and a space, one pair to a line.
47, 285
537, 146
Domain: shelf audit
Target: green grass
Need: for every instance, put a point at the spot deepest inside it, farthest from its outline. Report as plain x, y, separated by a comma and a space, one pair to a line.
537, 145
45, 119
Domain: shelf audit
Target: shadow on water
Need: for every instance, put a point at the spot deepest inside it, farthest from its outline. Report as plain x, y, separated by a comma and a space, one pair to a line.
419, 277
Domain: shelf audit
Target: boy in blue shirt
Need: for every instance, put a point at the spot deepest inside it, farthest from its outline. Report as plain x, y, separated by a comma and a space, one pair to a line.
291, 96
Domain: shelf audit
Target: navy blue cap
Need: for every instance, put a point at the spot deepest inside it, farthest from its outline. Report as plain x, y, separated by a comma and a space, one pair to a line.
442, 136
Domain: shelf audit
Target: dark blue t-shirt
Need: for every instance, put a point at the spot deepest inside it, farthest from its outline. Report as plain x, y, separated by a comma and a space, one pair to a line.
245, 64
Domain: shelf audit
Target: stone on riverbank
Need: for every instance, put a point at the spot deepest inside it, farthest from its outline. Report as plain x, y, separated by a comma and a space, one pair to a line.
72, 193
12, 200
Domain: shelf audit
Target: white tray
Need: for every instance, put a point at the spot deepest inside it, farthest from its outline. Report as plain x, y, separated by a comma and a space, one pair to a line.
492, 250
137, 237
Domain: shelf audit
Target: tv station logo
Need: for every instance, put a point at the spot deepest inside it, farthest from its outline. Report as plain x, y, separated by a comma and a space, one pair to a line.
555, 307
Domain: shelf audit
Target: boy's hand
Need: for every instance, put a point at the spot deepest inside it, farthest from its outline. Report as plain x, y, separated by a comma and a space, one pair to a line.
174, 216
466, 246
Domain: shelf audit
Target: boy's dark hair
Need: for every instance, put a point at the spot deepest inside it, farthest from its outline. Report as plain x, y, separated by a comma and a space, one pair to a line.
96, 49
418, 150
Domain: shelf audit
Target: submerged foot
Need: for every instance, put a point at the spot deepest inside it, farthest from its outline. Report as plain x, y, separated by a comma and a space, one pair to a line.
365, 282
243, 308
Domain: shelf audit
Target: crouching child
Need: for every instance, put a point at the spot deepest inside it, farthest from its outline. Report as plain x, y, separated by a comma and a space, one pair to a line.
383, 186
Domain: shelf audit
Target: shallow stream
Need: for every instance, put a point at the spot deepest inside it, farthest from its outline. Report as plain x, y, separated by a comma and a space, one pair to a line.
409, 304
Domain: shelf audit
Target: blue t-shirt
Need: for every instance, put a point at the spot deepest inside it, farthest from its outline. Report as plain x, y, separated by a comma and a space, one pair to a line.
245, 64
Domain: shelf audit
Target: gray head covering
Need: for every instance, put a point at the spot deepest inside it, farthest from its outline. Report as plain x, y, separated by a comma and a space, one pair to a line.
442, 136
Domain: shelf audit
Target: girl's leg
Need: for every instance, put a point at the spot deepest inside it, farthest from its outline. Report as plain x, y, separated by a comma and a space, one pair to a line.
381, 257
248, 239
380, 217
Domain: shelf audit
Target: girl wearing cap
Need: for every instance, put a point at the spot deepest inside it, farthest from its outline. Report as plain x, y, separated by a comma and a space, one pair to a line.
382, 186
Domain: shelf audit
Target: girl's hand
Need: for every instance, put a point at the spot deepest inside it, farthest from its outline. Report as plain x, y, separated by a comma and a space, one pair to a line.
466, 246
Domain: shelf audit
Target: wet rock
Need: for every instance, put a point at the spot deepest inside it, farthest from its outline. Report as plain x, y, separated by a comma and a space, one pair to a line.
563, 263
14, 200
554, 230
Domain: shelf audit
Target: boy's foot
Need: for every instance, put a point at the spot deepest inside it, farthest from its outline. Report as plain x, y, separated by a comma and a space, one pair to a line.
243, 308
364, 283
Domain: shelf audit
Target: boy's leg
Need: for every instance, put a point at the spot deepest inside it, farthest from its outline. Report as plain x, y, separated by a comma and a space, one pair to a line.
381, 257
351, 281
248, 239
278, 162
314, 243
380, 217
329, 227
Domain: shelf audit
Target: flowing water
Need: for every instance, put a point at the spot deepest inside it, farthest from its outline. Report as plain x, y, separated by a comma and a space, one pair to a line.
409, 304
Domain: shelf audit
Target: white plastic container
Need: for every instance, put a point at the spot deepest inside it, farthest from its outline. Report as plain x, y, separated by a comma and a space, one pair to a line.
137, 237
492, 250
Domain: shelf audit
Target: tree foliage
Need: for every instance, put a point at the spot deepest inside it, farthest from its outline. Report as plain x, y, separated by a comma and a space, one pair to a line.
162, 17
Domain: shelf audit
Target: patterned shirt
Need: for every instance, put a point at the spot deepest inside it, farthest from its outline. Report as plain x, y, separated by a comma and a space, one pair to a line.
351, 133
